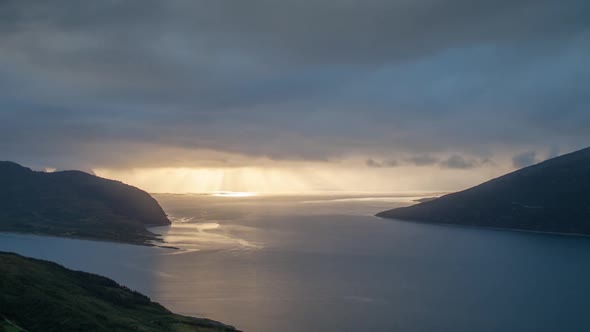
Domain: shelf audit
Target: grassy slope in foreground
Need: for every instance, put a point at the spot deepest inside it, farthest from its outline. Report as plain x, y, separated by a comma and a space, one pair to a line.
552, 196
38, 295
75, 204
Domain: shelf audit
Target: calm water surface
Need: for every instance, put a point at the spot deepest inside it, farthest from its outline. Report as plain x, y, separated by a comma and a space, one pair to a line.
324, 263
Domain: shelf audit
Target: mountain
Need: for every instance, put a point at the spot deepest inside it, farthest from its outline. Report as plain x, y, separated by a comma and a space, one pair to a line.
75, 204
37, 295
552, 196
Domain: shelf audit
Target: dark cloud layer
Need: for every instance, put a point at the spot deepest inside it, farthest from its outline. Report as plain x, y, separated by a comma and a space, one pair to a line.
381, 164
459, 162
453, 162
115, 83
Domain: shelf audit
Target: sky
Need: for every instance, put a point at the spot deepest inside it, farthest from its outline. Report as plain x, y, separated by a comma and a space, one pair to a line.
291, 95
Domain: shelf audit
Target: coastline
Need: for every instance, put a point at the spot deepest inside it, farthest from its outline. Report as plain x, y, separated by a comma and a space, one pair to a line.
92, 239
490, 228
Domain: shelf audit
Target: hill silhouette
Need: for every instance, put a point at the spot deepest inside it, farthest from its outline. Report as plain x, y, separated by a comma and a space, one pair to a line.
75, 204
551, 196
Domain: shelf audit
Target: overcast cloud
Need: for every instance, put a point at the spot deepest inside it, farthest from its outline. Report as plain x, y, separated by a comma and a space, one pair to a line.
139, 83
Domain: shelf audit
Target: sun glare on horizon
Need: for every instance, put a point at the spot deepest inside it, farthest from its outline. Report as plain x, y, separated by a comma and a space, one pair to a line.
235, 194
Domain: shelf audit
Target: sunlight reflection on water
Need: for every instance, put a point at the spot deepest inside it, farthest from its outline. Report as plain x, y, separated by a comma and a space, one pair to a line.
196, 236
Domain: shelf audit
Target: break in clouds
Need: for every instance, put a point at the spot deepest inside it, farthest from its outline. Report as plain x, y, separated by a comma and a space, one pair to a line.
438, 82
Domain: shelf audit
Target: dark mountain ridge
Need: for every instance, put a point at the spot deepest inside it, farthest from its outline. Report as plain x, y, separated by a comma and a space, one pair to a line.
74, 203
551, 196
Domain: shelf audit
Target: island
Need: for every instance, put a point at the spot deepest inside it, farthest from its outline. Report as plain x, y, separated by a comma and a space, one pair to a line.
551, 196
37, 295
76, 204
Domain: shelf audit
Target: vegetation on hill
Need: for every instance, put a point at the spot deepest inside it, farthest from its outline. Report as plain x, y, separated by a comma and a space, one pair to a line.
37, 295
552, 196
75, 204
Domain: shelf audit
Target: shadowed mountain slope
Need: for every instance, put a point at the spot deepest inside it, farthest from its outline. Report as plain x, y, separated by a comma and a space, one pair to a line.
552, 196
76, 204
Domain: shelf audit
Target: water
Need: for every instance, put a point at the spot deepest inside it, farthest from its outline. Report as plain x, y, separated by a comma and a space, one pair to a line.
324, 263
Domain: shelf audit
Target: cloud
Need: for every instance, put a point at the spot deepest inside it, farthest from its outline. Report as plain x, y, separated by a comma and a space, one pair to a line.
454, 162
553, 152
381, 164
459, 162
372, 163
524, 159
422, 160
122, 83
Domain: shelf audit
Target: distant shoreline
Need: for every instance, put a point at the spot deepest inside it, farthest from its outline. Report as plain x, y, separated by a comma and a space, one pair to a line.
82, 238
490, 228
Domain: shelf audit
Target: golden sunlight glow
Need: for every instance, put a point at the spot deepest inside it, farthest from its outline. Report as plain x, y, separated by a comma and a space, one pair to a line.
300, 178
234, 194
223, 181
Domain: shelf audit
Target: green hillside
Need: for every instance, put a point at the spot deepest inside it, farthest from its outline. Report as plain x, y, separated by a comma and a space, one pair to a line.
37, 295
